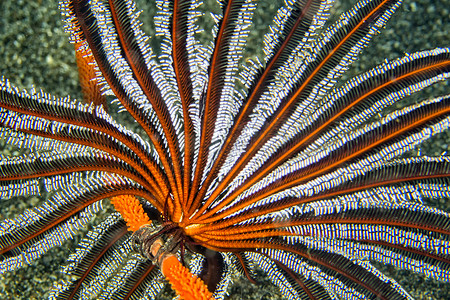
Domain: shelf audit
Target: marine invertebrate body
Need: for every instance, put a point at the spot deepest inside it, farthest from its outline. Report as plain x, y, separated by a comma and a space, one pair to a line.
232, 163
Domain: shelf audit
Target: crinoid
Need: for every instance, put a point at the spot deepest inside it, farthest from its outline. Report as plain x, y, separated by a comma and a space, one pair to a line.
233, 152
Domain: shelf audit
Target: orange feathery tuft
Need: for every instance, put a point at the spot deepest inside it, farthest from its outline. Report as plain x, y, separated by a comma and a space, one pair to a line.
131, 210
187, 285
86, 71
